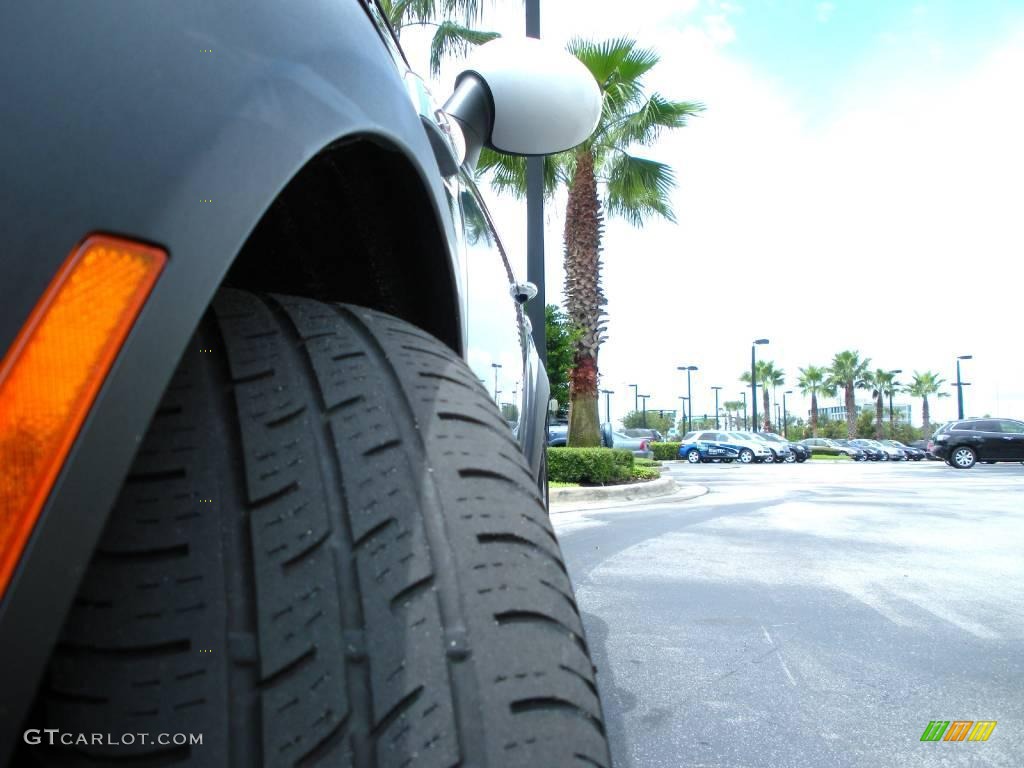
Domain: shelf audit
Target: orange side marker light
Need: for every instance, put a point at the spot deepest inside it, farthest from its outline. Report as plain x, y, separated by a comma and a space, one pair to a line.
51, 373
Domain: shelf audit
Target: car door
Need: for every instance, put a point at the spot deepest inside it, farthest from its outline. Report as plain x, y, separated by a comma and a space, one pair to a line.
496, 326
987, 440
1011, 439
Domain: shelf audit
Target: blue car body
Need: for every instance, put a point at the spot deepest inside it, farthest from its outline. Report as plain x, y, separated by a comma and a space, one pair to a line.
709, 450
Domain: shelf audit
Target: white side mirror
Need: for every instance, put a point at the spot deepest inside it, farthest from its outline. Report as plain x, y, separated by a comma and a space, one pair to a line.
523, 96
523, 292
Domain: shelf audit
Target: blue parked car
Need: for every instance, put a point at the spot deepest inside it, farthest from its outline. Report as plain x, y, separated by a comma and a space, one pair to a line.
696, 450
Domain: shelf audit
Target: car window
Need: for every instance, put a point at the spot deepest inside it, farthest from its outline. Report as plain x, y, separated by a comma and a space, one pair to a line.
986, 426
1011, 427
963, 426
688, 437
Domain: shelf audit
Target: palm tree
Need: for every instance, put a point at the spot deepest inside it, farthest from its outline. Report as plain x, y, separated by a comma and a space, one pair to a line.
732, 410
602, 177
450, 37
767, 376
848, 372
923, 385
892, 388
880, 381
812, 380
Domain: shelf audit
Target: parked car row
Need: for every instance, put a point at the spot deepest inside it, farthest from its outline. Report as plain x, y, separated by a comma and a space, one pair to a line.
862, 449
743, 447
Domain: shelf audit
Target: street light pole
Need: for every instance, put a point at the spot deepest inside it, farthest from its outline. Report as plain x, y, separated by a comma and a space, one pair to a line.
535, 219
495, 366
636, 397
785, 421
960, 387
683, 411
689, 394
608, 403
753, 383
716, 406
644, 398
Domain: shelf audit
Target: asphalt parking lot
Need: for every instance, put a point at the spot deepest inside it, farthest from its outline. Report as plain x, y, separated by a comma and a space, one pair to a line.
808, 615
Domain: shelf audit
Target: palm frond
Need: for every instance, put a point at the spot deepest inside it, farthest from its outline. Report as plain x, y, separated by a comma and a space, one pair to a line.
507, 173
452, 39
645, 125
637, 188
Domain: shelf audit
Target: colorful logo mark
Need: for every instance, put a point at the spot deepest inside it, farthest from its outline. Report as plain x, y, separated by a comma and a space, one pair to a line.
958, 730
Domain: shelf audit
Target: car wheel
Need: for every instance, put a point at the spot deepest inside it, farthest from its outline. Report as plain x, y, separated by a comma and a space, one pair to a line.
885, 457
790, 459
963, 457
693, 456
329, 550
746, 456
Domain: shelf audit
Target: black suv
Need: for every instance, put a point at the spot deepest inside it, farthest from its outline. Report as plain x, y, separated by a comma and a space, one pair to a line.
964, 443
254, 498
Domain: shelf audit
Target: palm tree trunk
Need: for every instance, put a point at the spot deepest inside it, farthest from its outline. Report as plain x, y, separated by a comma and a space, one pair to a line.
814, 413
767, 410
851, 413
878, 416
924, 417
584, 299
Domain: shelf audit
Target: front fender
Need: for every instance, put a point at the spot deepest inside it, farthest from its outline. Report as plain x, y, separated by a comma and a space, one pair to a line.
176, 123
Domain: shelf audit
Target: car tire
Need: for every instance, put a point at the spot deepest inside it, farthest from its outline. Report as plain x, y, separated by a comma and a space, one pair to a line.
769, 459
693, 456
963, 457
329, 550
790, 459
746, 456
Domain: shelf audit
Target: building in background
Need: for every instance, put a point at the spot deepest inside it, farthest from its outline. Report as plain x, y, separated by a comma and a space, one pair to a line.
902, 412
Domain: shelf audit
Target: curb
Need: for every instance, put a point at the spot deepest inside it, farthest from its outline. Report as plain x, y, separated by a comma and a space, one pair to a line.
646, 490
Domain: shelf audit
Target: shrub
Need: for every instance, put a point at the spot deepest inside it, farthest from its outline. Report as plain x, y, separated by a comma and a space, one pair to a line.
665, 451
589, 465
646, 473
646, 463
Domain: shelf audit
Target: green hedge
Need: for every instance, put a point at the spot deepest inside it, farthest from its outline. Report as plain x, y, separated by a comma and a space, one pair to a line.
589, 465
646, 473
665, 451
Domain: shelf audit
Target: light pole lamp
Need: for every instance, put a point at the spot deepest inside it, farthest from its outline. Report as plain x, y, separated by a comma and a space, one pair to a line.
744, 393
689, 394
753, 382
892, 388
717, 389
636, 397
608, 403
644, 398
784, 420
960, 387
495, 366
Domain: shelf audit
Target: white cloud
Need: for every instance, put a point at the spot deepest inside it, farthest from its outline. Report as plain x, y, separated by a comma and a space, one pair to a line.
824, 11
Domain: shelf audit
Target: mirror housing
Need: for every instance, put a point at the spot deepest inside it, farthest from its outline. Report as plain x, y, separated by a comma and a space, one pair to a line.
522, 96
523, 292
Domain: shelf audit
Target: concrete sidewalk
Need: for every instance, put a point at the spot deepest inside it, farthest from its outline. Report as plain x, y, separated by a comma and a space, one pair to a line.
568, 499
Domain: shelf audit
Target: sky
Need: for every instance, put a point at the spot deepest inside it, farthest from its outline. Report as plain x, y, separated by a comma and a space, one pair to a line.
855, 182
